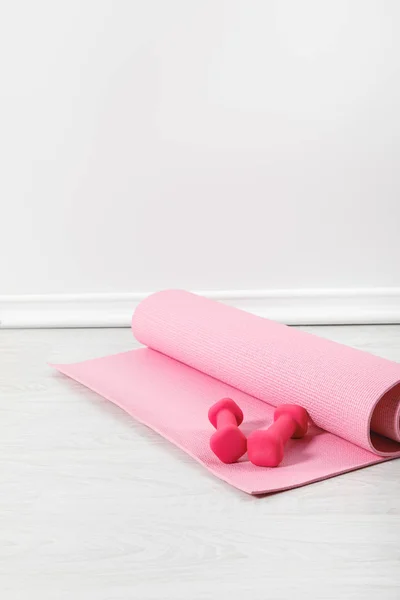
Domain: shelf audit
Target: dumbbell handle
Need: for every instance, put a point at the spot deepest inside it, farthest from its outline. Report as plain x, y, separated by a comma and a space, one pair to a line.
225, 417
283, 428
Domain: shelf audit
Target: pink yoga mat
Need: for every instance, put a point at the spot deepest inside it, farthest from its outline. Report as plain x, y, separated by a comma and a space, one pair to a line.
198, 351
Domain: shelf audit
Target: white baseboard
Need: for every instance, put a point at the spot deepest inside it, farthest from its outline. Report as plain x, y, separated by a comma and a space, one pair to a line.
294, 307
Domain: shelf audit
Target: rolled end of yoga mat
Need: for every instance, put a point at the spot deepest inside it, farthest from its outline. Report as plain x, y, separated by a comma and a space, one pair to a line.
347, 392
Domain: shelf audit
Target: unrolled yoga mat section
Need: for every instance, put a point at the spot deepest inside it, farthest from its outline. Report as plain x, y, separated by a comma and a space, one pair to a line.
198, 351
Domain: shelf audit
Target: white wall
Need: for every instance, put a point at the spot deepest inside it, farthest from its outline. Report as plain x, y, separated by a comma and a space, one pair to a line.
204, 144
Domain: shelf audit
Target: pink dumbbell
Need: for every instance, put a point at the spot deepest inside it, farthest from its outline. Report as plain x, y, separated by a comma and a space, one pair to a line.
228, 442
265, 446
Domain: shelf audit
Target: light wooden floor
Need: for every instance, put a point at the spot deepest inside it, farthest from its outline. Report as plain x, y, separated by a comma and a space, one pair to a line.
94, 506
